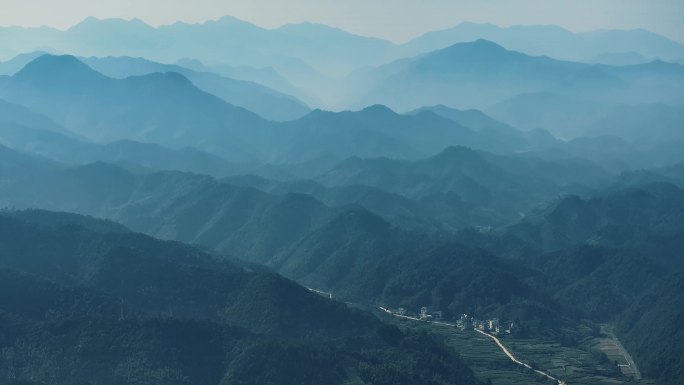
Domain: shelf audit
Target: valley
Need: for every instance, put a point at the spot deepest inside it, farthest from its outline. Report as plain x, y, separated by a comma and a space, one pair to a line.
217, 201
545, 361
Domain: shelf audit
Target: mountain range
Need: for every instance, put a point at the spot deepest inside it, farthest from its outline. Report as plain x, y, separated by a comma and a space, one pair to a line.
547, 263
578, 99
265, 102
481, 74
618, 244
554, 41
169, 110
161, 108
328, 49
570, 117
324, 47
301, 59
82, 284
221, 203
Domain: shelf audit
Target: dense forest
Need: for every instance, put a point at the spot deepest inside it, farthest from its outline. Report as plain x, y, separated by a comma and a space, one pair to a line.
86, 301
223, 203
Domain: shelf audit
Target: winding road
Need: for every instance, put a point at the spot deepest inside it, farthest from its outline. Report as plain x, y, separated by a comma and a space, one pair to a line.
510, 355
498, 342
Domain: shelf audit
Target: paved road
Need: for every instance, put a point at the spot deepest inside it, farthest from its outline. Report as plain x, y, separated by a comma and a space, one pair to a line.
510, 355
503, 348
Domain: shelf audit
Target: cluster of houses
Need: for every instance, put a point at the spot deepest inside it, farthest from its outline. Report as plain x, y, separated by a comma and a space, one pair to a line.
466, 322
425, 314
493, 326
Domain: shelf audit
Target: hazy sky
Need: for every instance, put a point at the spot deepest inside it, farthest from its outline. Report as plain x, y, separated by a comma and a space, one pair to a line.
396, 20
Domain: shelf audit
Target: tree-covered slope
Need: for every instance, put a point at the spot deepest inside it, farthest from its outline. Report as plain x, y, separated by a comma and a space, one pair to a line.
79, 304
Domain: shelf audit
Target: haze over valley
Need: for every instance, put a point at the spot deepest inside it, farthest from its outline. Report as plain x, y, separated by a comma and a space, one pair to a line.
226, 203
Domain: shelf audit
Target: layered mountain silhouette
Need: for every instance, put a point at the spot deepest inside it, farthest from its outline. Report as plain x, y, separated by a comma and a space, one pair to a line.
169, 110
246, 217
486, 125
24, 130
162, 108
219, 41
309, 60
267, 76
324, 47
618, 245
526, 173
266, 102
570, 117
554, 41
492, 186
480, 74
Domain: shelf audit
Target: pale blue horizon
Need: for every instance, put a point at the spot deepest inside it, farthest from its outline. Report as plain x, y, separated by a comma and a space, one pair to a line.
395, 20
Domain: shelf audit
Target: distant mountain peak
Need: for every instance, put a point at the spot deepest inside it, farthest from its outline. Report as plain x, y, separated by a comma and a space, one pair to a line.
172, 79
92, 21
378, 109
318, 113
230, 21
480, 44
56, 60
57, 68
88, 20
477, 51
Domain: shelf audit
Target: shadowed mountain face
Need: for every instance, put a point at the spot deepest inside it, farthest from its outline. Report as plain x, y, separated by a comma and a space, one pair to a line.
119, 262
663, 302
617, 256
167, 313
496, 186
170, 205
457, 188
646, 215
361, 256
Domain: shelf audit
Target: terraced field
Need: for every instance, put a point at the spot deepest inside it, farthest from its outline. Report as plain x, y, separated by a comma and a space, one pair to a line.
612, 347
581, 365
